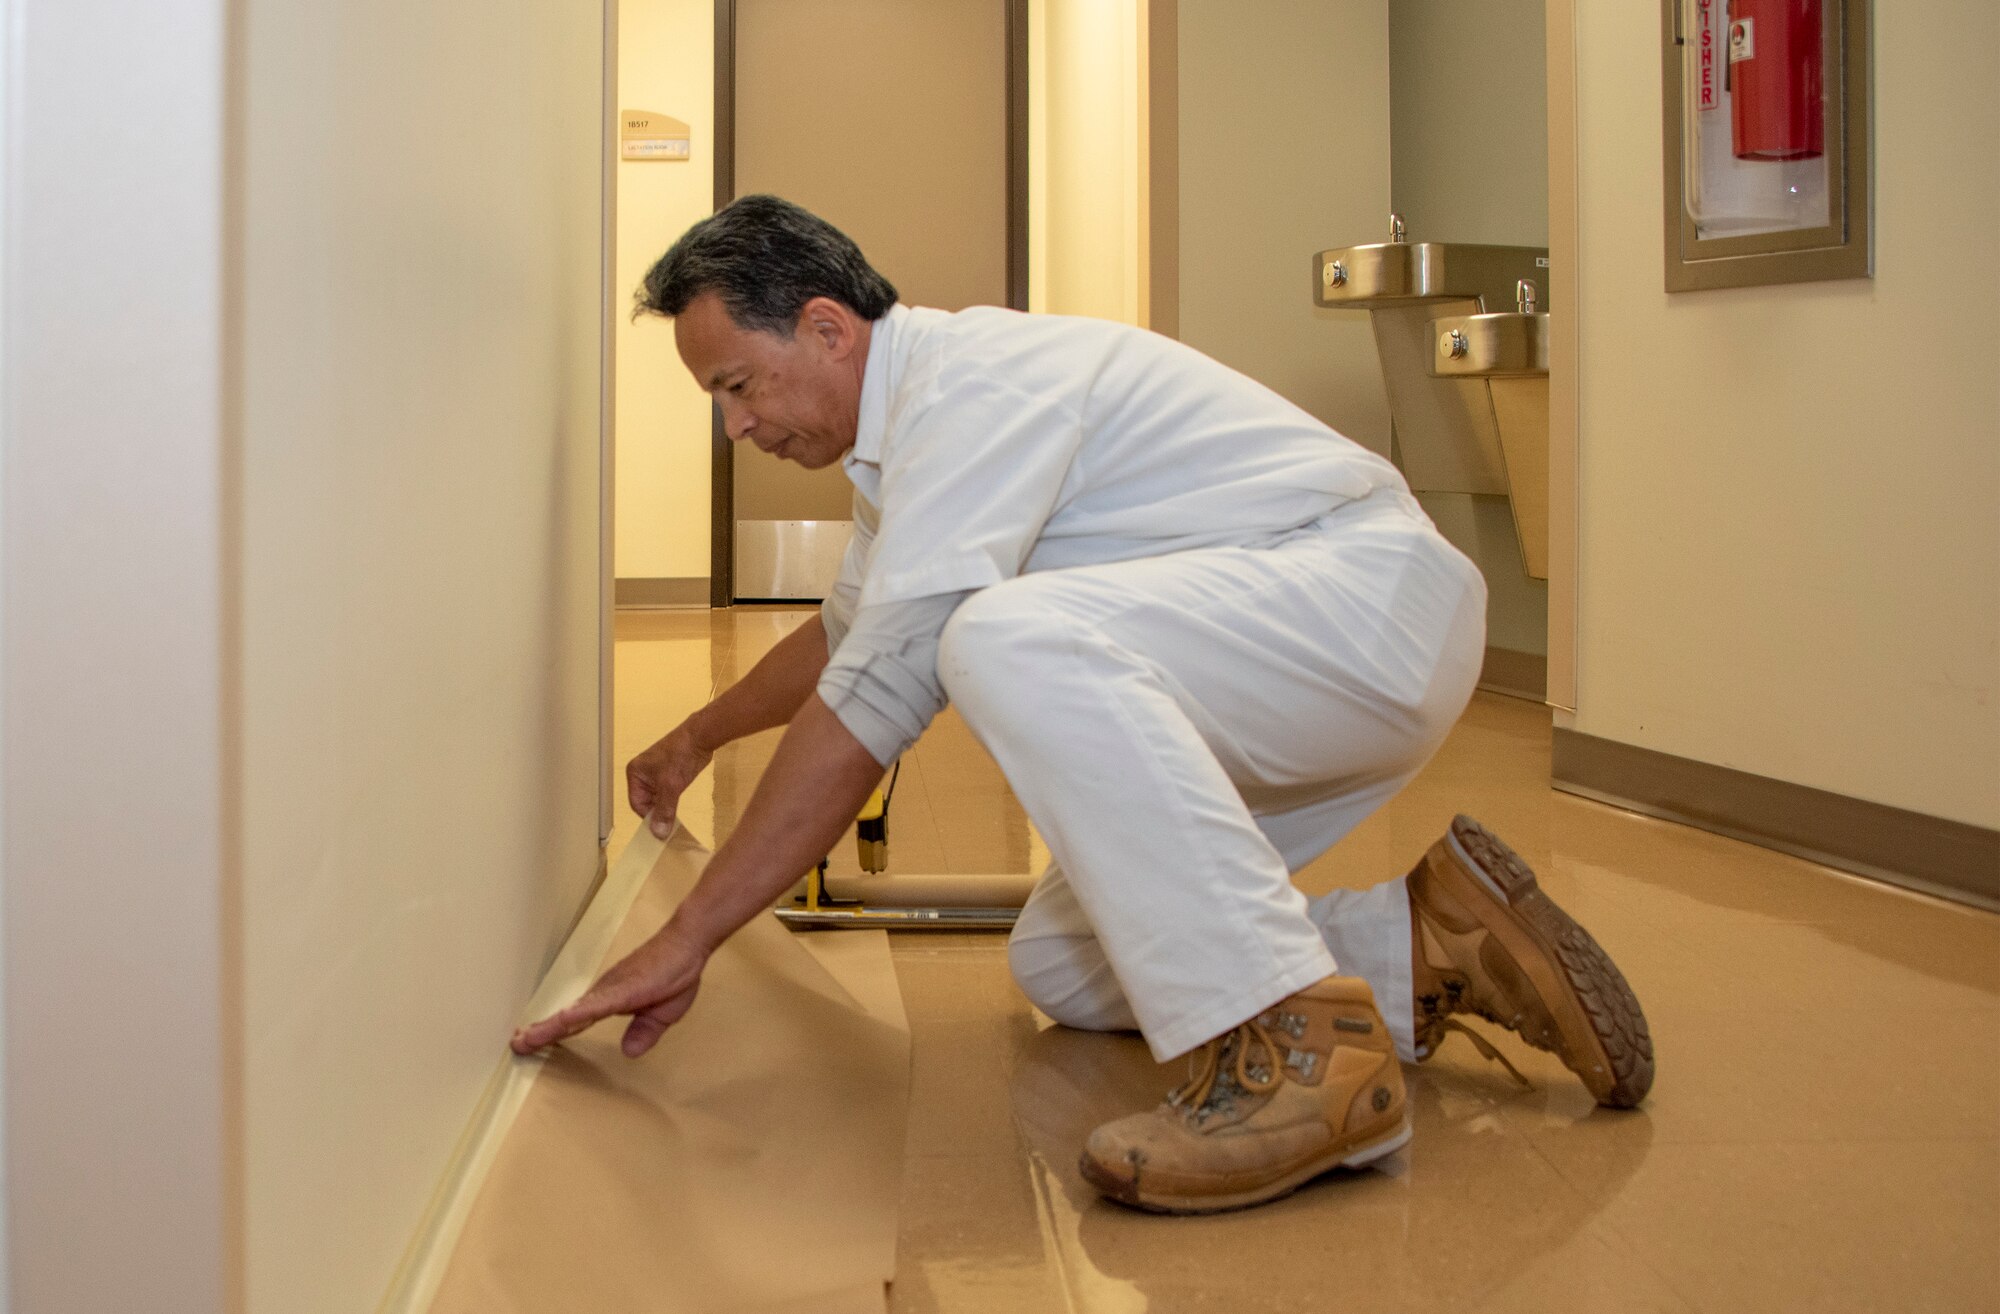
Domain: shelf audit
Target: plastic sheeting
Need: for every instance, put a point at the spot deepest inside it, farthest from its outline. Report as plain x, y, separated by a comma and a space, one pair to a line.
751, 1163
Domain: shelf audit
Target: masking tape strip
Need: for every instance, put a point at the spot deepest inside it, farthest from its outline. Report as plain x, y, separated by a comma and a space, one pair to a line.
575, 967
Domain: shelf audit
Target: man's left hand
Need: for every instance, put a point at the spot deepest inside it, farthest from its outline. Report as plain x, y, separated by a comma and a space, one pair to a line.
655, 984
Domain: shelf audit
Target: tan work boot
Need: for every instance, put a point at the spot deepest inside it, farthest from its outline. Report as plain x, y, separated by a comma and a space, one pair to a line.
1310, 1085
1486, 940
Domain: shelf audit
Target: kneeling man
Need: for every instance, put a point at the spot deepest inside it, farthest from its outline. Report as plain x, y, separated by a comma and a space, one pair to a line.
1203, 635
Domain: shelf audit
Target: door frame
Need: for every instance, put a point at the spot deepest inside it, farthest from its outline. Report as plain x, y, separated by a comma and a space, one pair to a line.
722, 466
1560, 19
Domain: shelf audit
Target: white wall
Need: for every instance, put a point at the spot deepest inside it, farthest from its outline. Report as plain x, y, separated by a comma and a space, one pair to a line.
420, 302
666, 63
1284, 152
6, 100
1789, 553
114, 761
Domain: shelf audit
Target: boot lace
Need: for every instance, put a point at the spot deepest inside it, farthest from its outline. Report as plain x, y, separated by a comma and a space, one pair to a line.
1436, 1018
1225, 1071
1486, 1047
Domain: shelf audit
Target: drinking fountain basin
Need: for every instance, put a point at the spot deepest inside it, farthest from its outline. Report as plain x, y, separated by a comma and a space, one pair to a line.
1355, 277
1386, 274
1505, 343
1510, 351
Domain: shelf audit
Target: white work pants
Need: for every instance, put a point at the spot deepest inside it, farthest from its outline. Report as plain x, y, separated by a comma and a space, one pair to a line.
1188, 730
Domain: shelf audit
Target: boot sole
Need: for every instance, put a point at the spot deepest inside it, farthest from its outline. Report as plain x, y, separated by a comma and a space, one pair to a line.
1128, 1193
1605, 1021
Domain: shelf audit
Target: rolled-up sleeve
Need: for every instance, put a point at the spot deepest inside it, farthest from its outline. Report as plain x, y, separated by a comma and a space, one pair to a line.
882, 681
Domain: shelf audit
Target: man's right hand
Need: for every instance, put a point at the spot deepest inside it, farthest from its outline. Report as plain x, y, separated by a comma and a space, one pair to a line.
769, 696
655, 780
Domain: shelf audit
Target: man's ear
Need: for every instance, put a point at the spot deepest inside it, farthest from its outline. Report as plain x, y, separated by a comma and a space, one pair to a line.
836, 328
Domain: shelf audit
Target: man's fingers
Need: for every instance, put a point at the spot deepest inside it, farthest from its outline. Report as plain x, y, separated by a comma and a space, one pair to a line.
639, 793
648, 1025
644, 1032
538, 1034
650, 799
642, 1035
556, 1026
596, 1004
642, 781
656, 982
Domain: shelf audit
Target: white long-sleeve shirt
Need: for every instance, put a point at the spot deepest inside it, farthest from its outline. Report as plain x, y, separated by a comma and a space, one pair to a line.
991, 444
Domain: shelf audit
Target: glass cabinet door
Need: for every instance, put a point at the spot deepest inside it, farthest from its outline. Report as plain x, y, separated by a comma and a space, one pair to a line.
1766, 141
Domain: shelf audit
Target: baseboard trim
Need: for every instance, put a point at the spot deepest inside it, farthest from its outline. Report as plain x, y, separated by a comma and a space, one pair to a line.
574, 967
653, 594
1930, 854
1515, 673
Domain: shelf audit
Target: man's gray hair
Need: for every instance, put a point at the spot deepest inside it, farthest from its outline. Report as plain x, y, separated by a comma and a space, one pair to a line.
765, 258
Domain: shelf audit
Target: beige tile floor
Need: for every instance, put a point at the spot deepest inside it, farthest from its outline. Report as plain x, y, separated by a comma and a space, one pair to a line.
1824, 1134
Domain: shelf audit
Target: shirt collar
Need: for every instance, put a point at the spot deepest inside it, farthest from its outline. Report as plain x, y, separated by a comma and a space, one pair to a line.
878, 381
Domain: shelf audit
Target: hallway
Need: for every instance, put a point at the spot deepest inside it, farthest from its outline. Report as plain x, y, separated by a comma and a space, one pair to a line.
1824, 1133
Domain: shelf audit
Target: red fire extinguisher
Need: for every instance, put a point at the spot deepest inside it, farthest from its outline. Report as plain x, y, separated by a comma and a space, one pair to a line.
1777, 86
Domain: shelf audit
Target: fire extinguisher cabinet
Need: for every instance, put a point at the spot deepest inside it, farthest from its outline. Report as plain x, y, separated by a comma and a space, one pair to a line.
1766, 141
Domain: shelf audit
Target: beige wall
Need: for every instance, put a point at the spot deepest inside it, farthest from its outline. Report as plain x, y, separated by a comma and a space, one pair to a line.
1789, 561
419, 580
1469, 120
1469, 163
666, 63
1085, 170
299, 648
1284, 151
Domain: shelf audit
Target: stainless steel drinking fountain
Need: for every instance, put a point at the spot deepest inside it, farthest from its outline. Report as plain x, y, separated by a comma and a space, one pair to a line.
1510, 350
1448, 437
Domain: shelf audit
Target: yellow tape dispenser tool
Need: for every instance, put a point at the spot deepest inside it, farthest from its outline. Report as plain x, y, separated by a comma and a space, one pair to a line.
871, 833
907, 903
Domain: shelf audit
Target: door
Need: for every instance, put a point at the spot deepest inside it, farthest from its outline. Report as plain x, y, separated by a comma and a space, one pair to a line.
899, 122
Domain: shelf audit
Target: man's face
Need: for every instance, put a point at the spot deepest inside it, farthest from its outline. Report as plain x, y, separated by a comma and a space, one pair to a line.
795, 397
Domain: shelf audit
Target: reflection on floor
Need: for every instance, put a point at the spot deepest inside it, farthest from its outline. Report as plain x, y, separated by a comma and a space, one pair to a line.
1824, 1134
